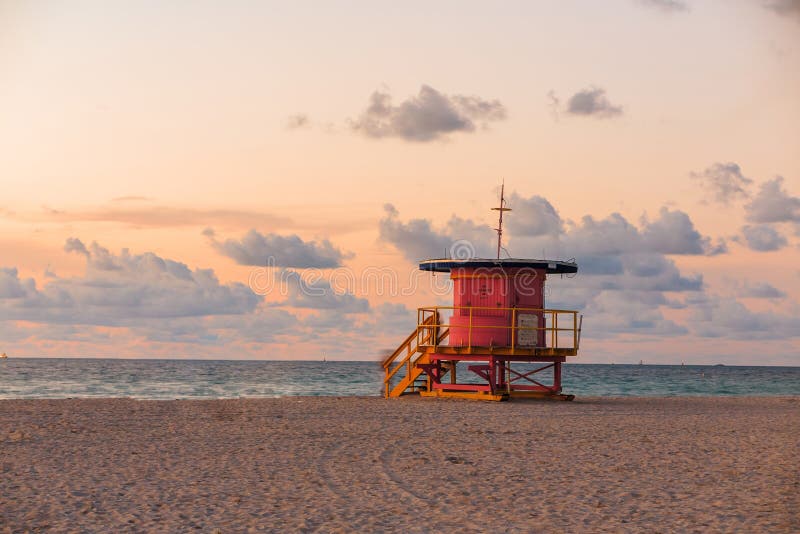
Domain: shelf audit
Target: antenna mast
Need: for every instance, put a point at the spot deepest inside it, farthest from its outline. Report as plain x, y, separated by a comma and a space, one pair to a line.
501, 209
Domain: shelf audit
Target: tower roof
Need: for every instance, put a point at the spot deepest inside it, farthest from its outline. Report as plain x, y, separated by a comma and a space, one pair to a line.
446, 265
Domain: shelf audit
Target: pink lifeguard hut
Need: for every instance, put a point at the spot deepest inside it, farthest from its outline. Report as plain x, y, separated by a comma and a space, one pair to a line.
498, 330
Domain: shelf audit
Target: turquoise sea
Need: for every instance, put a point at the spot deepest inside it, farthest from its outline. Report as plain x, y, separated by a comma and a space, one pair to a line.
193, 379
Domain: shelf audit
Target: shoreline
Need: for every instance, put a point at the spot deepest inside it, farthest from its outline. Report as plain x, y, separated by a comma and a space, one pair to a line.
411, 464
519, 400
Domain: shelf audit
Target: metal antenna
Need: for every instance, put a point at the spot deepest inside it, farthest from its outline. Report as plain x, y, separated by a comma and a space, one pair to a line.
501, 209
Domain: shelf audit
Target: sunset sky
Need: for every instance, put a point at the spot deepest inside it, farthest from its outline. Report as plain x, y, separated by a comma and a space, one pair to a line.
155, 157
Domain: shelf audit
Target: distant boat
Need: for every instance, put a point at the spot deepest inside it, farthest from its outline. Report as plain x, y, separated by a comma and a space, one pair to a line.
3, 356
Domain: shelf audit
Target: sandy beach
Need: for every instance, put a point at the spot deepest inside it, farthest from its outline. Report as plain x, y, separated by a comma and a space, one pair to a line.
412, 465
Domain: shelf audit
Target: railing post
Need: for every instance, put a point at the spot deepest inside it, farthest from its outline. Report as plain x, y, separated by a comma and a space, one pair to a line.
513, 328
435, 333
419, 322
554, 343
469, 334
574, 330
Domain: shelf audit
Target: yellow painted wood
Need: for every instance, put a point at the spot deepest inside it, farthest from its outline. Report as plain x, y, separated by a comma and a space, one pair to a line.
465, 395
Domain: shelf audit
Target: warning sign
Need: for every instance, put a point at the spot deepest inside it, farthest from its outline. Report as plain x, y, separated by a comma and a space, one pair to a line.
527, 335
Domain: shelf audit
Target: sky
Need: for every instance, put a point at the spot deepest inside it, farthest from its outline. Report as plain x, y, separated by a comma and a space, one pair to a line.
259, 180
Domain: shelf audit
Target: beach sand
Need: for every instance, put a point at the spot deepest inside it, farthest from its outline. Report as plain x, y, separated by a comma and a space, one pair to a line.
411, 465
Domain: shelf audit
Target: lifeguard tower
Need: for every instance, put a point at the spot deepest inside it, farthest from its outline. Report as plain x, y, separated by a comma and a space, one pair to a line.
498, 330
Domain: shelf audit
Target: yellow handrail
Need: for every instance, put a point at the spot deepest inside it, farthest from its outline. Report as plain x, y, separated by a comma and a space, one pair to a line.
426, 326
406, 343
406, 360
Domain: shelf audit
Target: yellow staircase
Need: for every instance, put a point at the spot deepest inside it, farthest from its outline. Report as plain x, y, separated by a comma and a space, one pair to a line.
408, 355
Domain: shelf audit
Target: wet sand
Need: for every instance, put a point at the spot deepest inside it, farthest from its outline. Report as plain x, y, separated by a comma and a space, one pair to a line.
410, 465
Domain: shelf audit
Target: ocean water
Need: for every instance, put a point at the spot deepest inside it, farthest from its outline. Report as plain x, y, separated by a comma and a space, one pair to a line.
196, 379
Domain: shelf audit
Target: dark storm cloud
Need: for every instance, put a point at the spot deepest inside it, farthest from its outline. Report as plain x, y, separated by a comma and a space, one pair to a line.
428, 116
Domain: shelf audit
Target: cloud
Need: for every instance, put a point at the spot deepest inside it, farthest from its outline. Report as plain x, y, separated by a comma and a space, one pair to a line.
418, 240
429, 116
257, 249
724, 181
534, 216
763, 238
297, 121
554, 103
787, 8
726, 317
75, 245
319, 295
773, 204
674, 233
11, 287
627, 312
592, 102
669, 6
606, 249
626, 280
159, 217
123, 289
131, 198
671, 233
99, 258
132, 299
762, 290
